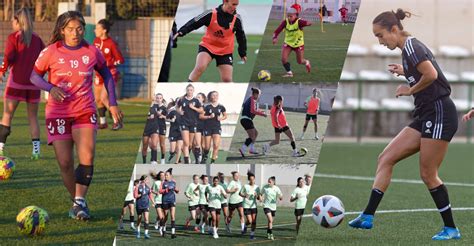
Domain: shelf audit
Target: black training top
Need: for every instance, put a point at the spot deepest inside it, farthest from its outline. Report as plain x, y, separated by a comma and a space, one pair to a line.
174, 126
218, 110
190, 117
153, 116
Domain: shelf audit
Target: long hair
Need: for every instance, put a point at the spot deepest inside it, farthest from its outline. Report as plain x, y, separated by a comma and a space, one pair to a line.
62, 22
388, 19
23, 17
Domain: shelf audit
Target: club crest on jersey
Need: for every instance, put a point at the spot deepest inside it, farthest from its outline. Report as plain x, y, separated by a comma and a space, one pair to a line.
85, 60
106, 50
429, 124
61, 61
61, 129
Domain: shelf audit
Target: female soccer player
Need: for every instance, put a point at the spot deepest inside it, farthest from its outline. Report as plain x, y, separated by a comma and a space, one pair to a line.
469, 115
214, 196
299, 197
213, 114
70, 112
192, 193
249, 110
130, 204
175, 138
155, 130
435, 121
270, 194
218, 41
168, 190
113, 57
224, 201
142, 195
21, 50
343, 10
294, 40
312, 105
280, 125
235, 200
251, 193
155, 189
189, 107
203, 204
199, 141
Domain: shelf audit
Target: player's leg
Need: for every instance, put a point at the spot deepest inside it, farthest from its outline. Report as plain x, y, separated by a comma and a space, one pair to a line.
300, 59
298, 223
146, 216
216, 143
145, 141
432, 152
162, 140
306, 121
9, 108
179, 149
206, 147
202, 61
225, 211
225, 71
131, 210
289, 134
269, 224
266, 147
101, 110
153, 143
186, 144
191, 217
198, 219
32, 110
405, 144
172, 150
240, 210
64, 155
214, 221
285, 53
254, 225
173, 221
315, 120
197, 147
122, 214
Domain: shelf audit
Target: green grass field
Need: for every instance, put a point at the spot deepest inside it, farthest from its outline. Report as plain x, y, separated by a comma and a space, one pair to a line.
39, 183
184, 58
399, 228
284, 231
280, 153
326, 52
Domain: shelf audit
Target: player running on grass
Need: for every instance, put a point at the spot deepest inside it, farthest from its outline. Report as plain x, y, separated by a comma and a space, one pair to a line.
435, 122
249, 111
251, 193
155, 189
294, 40
155, 130
174, 137
168, 189
214, 195
130, 204
343, 10
213, 114
312, 105
224, 200
142, 195
198, 149
21, 50
113, 57
203, 204
218, 41
235, 200
192, 194
270, 194
299, 197
281, 126
70, 112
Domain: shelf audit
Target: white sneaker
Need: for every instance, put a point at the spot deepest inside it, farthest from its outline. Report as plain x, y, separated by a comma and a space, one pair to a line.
302, 136
156, 226
132, 226
154, 163
163, 162
216, 236
316, 136
288, 75
266, 148
295, 153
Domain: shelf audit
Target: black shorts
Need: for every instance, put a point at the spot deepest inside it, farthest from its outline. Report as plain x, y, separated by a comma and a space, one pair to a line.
175, 136
190, 128
267, 211
220, 59
204, 207
280, 130
235, 206
150, 130
299, 212
142, 210
158, 205
217, 210
224, 205
438, 120
192, 208
247, 124
249, 211
311, 116
212, 131
126, 203
167, 206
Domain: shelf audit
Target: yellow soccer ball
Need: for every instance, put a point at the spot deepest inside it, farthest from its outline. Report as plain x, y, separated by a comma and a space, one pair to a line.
7, 168
32, 220
264, 75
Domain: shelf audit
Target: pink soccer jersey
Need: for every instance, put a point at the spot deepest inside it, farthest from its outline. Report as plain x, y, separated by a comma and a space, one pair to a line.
72, 70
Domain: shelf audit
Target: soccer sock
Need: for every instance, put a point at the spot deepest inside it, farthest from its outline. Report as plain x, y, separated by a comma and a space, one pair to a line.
248, 141
138, 229
186, 160
172, 227
162, 155
198, 222
441, 199
4, 132
242, 226
269, 230
132, 218
146, 228
189, 80
374, 200
79, 201
209, 221
102, 118
287, 67
154, 154
171, 155
144, 158
197, 154
36, 145
293, 145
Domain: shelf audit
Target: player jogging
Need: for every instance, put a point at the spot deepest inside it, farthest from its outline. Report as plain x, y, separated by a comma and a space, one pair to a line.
214, 196
299, 198
435, 122
270, 194
235, 200
294, 40
213, 114
155, 189
130, 204
343, 10
168, 190
224, 200
249, 111
251, 193
142, 195
113, 57
218, 41
155, 130
203, 204
312, 105
174, 137
199, 140
281, 126
21, 50
70, 112
192, 194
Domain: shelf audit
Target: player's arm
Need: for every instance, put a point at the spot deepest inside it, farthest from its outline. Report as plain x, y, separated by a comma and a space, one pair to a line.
241, 38
135, 192
118, 57
224, 194
243, 193
188, 190
275, 117
429, 75
278, 31
9, 55
197, 22
469, 115
254, 110
162, 189
151, 198
294, 196
202, 116
224, 114
302, 23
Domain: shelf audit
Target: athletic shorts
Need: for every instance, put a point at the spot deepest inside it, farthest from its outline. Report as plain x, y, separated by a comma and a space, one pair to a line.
220, 59
158, 205
204, 207
213, 131
22, 95
175, 136
60, 128
311, 116
142, 210
167, 206
217, 210
191, 129
295, 49
235, 206
299, 212
126, 203
98, 81
224, 205
192, 208
248, 211
437, 120
267, 211
150, 130
283, 129
247, 124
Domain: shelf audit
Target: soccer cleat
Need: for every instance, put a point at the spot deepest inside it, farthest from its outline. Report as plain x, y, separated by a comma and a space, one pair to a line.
103, 126
363, 221
147, 236
121, 226
253, 152
154, 163
173, 236
203, 229
216, 236
117, 126
156, 226
266, 149
242, 152
137, 235
132, 226
271, 237
316, 136
162, 162
308, 66
227, 228
302, 136
244, 231
78, 213
252, 236
163, 232
296, 154
447, 233
268, 235
35, 156
288, 75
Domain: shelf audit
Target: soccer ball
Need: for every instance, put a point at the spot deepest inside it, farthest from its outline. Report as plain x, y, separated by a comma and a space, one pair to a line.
303, 151
328, 211
7, 168
264, 75
32, 220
